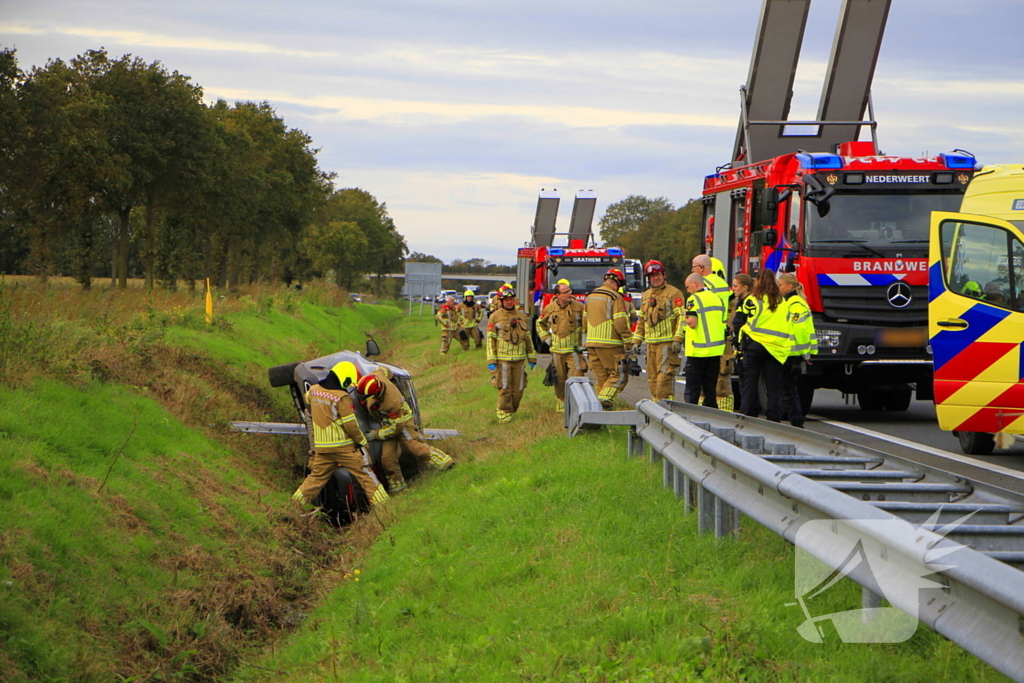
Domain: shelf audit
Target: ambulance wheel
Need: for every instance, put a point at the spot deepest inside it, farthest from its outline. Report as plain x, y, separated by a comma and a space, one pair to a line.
976, 443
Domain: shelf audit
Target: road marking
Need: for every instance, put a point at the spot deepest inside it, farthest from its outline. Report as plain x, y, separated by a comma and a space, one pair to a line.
966, 460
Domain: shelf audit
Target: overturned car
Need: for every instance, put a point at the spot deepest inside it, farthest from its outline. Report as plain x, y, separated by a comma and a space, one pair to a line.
342, 496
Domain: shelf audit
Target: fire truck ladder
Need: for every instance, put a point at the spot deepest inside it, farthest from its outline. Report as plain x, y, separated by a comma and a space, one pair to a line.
543, 232
766, 98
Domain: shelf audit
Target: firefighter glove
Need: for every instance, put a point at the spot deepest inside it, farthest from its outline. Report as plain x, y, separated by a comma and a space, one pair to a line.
372, 435
492, 367
677, 347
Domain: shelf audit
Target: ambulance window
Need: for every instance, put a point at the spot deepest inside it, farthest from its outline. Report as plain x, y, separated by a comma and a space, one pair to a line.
986, 264
946, 234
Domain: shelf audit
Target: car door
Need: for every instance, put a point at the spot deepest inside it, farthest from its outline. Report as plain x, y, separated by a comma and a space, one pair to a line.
975, 323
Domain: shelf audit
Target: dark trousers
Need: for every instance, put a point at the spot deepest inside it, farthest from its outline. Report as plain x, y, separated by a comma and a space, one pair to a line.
702, 375
758, 362
791, 371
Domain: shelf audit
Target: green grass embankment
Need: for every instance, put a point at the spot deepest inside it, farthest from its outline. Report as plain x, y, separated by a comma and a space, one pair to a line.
141, 540
547, 559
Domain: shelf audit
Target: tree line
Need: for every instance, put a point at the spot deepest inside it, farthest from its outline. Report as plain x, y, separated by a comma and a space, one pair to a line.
116, 168
652, 228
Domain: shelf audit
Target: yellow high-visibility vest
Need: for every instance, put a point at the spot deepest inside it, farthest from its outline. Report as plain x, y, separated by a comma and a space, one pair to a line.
708, 338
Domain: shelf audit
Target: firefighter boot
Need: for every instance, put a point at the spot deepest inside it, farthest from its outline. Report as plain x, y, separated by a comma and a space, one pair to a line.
397, 484
503, 416
439, 460
559, 405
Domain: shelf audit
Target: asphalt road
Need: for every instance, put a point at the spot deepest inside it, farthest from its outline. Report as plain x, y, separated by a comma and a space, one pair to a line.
898, 433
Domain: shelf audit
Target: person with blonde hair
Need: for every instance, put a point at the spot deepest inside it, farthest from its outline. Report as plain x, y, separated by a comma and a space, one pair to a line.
805, 343
770, 340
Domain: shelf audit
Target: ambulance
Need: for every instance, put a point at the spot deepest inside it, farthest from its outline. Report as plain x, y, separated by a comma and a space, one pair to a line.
976, 311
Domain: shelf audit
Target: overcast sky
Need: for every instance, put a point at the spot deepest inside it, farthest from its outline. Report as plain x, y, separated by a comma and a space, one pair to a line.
457, 112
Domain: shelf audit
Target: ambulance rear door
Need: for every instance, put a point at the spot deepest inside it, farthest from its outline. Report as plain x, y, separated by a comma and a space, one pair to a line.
976, 323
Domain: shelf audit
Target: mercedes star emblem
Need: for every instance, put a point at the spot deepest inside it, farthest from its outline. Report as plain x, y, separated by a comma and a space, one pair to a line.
898, 294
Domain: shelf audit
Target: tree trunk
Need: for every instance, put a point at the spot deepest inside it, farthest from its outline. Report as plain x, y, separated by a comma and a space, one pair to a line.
149, 245
125, 215
85, 259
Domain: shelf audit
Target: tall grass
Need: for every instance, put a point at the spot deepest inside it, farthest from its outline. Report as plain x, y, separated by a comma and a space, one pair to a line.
140, 538
546, 559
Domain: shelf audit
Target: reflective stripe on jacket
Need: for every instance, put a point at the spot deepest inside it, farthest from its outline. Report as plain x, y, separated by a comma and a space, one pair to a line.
805, 340
607, 318
771, 329
721, 289
660, 311
708, 338
508, 337
334, 419
561, 327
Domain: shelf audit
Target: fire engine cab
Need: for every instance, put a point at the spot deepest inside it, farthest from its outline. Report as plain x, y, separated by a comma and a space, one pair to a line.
809, 197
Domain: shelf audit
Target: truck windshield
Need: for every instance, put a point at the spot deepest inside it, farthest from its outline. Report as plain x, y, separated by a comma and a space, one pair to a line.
870, 221
583, 277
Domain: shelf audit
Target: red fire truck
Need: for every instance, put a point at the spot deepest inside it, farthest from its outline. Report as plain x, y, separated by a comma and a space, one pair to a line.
541, 264
852, 223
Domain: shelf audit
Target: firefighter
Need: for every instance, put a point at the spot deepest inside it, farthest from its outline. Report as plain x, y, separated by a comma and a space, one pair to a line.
448, 318
608, 336
805, 344
469, 316
658, 326
509, 347
496, 301
337, 439
398, 432
770, 341
705, 341
560, 326
702, 265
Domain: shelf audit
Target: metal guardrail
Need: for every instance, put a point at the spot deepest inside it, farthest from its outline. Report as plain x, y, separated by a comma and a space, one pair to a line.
722, 465
298, 429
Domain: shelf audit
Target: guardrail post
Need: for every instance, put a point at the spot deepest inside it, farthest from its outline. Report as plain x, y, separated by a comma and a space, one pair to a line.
867, 601
726, 519
689, 489
669, 474
705, 510
634, 444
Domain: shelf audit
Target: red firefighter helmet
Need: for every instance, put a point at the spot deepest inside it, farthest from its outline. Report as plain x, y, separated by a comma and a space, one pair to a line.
615, 273
368, 386
652, 267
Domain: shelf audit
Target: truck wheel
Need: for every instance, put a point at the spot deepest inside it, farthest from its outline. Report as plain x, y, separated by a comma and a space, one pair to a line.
899, 399
806, 390
282, 375
976, 443
871, 400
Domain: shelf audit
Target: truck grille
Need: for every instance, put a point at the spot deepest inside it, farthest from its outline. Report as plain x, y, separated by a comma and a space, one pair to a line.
869, 305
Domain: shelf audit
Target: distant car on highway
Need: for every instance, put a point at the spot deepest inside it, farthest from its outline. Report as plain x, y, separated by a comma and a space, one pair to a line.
357, 298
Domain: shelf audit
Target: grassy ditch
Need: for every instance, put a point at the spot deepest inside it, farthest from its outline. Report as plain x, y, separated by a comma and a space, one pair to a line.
547, 559
141, 539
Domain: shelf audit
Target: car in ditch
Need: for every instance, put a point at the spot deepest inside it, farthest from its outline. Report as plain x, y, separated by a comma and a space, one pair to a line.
342, 497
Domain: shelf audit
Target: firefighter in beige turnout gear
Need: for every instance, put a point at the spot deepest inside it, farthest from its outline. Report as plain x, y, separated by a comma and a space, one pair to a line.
661, 313
470, 313
608, 336
398, 432
447, 317
509, 347
337, 439
560, 326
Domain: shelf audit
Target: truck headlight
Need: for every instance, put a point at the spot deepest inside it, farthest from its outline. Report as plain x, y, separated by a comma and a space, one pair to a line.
829, 339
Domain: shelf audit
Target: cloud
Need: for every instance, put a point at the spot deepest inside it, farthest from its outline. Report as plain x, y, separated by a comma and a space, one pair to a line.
142, 39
